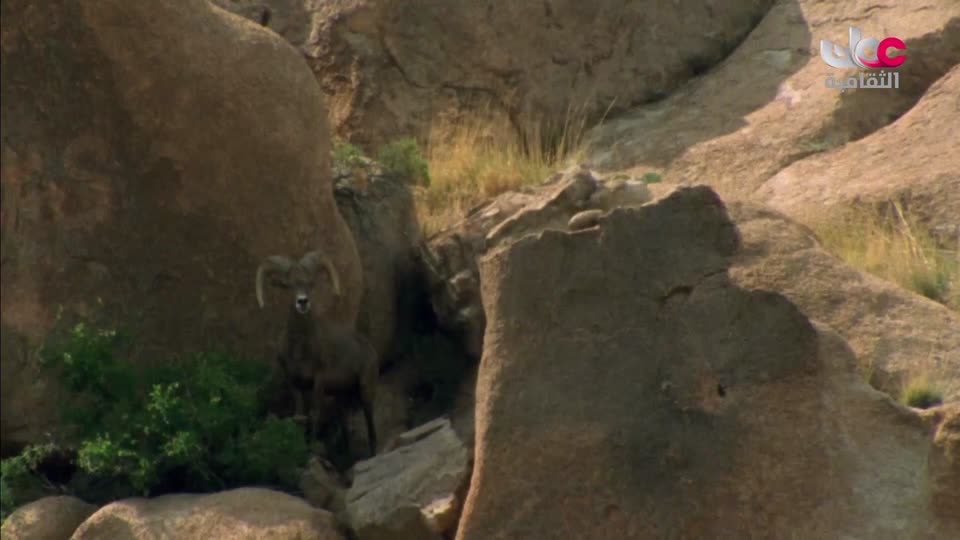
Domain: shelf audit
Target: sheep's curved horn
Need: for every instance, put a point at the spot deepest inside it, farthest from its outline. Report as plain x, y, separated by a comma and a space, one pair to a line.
273, 263
313, 258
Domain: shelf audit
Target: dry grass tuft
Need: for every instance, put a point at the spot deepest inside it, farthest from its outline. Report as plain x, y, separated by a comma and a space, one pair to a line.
479, 157
893, 246
922, 393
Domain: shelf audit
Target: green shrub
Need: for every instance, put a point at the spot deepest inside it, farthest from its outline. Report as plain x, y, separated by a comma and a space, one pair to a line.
19, 482
347, 154
191, 423
403, 158
651, 178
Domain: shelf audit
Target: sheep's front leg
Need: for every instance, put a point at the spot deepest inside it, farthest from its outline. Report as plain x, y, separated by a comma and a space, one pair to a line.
298, 414
298, 406
316, 403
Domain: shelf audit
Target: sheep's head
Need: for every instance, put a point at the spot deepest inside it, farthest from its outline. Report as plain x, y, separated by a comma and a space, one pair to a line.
300, 277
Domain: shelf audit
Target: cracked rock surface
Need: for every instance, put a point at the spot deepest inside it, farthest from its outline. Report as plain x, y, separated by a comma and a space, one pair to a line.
629, 388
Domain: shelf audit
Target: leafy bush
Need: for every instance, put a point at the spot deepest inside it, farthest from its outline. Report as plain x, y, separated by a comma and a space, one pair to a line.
192, 423
18, 480
651, 178
403, 158
347, 154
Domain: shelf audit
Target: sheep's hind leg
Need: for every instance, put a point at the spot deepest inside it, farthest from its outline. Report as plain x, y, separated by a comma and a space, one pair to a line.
343, 432
371, 430
298, 406
315, 405
368, 391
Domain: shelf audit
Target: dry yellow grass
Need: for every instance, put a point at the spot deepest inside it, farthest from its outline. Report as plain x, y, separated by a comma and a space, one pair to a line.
479, 157
892, 246
922, 392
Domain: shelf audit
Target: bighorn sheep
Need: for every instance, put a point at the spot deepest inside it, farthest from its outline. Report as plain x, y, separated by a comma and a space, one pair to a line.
322, 359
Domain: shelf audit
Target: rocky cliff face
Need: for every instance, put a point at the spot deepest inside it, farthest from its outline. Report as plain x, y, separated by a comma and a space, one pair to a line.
153, 153
894, 333
630, 389
674, 359
763, 125
391, 67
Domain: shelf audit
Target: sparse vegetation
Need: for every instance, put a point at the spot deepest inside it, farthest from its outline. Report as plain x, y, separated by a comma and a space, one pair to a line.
468, 160
891, 245
346, 154
403, 158
192, 423
19, 482
921, 393
651, 177
472, 159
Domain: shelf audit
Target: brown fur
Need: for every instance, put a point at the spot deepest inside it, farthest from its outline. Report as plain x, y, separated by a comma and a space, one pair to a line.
322, 359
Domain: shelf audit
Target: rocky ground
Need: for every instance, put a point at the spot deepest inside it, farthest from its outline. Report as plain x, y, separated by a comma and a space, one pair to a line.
597, 356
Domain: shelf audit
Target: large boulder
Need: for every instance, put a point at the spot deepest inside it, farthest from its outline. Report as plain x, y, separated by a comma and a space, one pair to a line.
767, 106
49, 518
897, 335
450, 257
249, 513
915, 160
945, 463
630, 389
153, 152
391, 67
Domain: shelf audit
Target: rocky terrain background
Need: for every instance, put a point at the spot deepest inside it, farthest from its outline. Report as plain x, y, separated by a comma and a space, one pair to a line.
595, 356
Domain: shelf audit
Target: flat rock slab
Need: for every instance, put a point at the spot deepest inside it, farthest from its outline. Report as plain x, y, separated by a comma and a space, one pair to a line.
410, 492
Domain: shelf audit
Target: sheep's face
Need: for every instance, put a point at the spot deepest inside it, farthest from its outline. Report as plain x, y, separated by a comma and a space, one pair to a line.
308, 286
312, 279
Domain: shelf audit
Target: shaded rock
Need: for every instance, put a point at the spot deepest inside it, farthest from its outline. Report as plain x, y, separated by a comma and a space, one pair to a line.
945, 462
630, 389
322, 486
767, 106
896, 334
462, 413
292, 19
253, 513
381, 215
414, 490
620, 192
49, 518
450, 256
442, 514
584, 220
440, 380
914, 160
391, 412
391, 67
153, 153
571, 192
